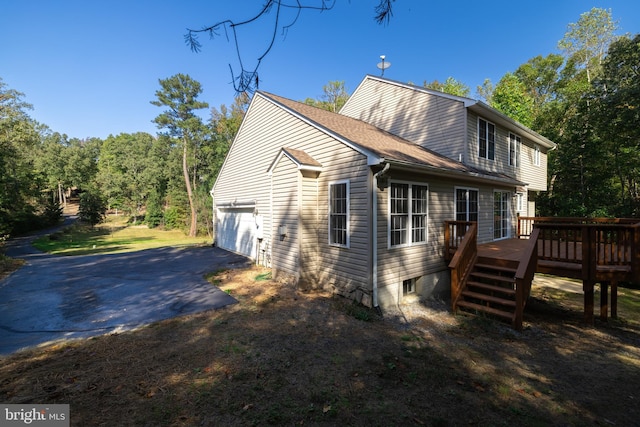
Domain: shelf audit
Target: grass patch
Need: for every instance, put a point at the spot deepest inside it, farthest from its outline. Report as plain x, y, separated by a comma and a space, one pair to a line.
360, 312
114, 235
263, 276
9, 265
549, 300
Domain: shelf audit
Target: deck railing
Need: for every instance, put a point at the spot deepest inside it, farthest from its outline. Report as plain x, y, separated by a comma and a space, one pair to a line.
465, 256
526, 223
454, 232
591, 249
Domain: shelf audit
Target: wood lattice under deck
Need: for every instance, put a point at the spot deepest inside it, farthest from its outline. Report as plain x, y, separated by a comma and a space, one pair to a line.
611, 248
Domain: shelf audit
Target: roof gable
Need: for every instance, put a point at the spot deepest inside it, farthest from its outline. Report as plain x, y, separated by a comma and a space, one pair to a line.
300, 158
378, 145
476, 106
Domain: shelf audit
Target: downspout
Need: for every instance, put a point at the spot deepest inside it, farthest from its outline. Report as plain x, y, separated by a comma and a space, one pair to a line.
374, 194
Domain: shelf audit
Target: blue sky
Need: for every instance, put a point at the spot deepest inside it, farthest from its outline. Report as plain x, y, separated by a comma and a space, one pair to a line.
91, 68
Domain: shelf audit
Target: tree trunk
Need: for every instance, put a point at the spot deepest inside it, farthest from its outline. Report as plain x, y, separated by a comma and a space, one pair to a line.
60, 195
185, 171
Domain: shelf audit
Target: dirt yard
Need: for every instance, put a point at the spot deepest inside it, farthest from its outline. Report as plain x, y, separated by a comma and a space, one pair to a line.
282, 357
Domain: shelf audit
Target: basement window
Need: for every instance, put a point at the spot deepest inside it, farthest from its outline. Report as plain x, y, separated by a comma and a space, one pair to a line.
409, 286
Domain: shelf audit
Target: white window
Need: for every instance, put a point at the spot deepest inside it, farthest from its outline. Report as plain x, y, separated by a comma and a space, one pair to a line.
514, 150
500, 214
407, 214
339, 214
466, 204
520, 202
536, 155
486, 139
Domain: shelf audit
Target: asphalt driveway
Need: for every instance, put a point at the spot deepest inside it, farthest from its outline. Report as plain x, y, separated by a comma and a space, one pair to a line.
53, 298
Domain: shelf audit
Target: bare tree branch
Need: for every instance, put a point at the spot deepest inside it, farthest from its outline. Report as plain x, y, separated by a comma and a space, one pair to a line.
247, 79
384, 11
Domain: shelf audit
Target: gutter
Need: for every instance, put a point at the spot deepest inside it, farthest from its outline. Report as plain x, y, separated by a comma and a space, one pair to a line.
374, 195
466, 175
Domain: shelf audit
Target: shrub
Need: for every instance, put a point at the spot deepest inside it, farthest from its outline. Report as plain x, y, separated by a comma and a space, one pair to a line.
52, 212
173, 218
92, 207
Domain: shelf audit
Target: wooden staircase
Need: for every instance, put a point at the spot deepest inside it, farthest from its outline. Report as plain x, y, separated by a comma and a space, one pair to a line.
490, 289
494, 282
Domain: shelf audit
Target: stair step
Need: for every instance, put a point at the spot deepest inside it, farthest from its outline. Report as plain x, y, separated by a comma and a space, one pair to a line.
497, 262
489, 298
485, 309
496, 268
496, 277
492, 288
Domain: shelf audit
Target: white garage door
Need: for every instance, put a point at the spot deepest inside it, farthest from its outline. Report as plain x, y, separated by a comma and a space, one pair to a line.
236, 230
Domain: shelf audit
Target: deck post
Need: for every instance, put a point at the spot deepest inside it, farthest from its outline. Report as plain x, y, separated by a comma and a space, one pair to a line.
604, 300
587, 287
614, 299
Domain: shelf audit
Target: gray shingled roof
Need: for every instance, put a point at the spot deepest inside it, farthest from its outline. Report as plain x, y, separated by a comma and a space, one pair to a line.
387, 146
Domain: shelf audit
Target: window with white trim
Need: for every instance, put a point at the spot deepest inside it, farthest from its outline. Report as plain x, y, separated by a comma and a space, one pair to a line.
466, 204
501, 214
408, 210
520, 202
486, 139
339, 213
514, 150
536, 155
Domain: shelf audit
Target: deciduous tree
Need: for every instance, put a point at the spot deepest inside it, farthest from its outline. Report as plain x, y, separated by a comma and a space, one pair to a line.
511, 97
615, 114
333, 98
450, 86
587, 40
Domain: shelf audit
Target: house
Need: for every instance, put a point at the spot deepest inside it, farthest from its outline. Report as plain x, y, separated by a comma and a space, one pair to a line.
356, 201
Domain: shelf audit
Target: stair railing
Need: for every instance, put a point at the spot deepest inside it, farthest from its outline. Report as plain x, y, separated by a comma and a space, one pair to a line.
462, 263
524, 277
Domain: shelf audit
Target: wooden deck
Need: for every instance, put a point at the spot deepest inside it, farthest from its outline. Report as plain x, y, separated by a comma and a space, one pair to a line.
596, 251
507, 249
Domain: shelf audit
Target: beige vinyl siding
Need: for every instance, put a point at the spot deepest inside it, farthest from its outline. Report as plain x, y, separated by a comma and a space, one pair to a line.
344, 267
432, 121
500, 164
527, 172
401, 263
308, 223
348, 269
396, 264
534, 175
244, 172
285, 249
266, 129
